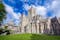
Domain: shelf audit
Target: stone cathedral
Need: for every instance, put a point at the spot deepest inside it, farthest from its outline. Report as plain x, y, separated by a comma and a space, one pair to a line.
34, 23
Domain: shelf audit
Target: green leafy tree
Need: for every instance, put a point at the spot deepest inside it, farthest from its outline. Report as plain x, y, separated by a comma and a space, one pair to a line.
2, 12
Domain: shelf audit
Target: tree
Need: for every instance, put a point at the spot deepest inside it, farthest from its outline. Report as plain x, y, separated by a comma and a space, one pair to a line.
2, 12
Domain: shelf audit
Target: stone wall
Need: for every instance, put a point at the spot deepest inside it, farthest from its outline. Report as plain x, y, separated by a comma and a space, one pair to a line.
55, 26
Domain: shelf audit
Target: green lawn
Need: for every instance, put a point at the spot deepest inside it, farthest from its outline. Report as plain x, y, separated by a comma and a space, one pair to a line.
29, 37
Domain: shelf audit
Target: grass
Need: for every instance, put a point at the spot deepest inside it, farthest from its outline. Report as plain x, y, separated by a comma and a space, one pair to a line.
29, 37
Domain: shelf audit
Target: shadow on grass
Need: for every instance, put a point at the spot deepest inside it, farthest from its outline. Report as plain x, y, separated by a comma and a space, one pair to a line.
36, 37
44, 37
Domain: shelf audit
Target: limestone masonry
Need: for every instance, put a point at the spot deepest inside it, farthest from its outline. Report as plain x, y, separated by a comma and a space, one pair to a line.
33, 23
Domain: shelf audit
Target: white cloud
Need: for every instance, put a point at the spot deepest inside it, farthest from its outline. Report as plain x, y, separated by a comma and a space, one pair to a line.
41, 10
12, 1
55, 6
27, 7
10, 10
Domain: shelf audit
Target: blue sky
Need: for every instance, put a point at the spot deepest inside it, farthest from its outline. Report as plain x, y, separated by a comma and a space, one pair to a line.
46, 8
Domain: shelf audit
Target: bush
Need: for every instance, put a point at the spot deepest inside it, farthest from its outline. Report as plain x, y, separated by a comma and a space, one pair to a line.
7, 32
4, 31
1, 31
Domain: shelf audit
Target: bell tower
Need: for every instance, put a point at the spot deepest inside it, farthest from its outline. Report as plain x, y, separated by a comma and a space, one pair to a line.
31, 12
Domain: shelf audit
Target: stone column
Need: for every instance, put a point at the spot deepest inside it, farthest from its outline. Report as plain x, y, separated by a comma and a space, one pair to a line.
38, 28
42, 28
48, 26
28, 29
33, 28
22, 29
